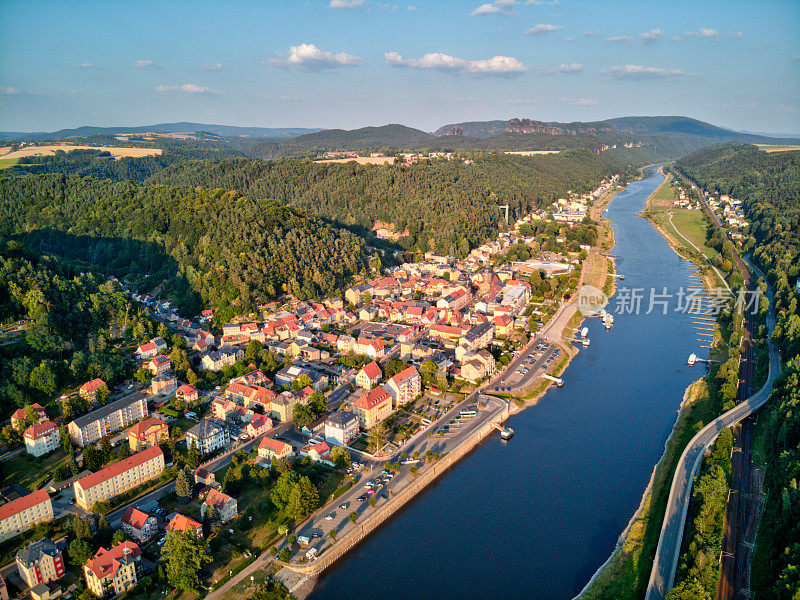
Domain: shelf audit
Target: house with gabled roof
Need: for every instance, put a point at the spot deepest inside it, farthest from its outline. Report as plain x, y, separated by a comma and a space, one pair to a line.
369, 375
138, 524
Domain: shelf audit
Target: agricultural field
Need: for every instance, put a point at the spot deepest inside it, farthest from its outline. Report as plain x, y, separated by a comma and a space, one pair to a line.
117, 152
532, 152
362, 160
778, 147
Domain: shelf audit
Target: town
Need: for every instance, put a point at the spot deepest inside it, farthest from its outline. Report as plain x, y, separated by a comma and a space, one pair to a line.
330, 410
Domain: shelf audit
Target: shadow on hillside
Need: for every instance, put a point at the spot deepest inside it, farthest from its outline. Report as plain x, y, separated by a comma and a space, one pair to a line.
145, 264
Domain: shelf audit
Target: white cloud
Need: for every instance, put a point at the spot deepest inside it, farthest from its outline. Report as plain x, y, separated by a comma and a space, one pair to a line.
498, 65
9, 91
498, 7
786, 108
144, 64
217, 66
619, 39
347, 4
796, 58
186, 88
543, 28
307, 57
562, 68
648, 37
542, 2
641, 72
735, 34
588, 33
517, 101
85, 65
410, 8
579, 101
703, 32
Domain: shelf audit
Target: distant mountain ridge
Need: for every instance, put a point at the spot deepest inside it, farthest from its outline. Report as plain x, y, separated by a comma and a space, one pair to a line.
180, 127
623, 125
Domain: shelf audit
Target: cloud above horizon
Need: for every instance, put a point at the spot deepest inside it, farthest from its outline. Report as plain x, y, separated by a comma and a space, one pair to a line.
504, 66
186, 88
703, 32
347, 4
144, 64
648, 37
639, 72
498, 7
307, 57
562, 68
217, 66
619, 39
543, 29
579, 101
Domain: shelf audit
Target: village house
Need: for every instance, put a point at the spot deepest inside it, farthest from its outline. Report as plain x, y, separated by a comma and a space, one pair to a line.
270, 447
405, 386
89, 390
40, 562
369, 376
119, 477
208, 435
477, 365
162, 385
320, 453
227, 355
341, 427
138, 524
187, 393
147, 433
19, 416
369, 346
258, 424
159, 364
225, 505
23, 513
503, 325
373, 407
147, 350
282, 405
42, 438
114, 571
288, 375
184, 524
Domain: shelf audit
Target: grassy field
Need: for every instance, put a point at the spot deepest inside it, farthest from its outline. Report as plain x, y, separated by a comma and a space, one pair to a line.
116, 151
29, 472
679, 225
626, 576
6, 163
778, 147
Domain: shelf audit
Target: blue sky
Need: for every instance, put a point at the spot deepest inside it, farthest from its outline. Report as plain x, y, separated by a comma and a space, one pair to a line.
351, 63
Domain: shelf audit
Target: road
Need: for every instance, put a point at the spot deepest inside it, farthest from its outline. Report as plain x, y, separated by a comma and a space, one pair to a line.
665, 564
528, 358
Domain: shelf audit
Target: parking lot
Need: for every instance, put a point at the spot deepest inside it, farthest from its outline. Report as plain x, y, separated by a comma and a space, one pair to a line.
527, 366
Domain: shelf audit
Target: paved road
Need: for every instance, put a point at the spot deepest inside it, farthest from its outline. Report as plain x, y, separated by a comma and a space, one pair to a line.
517, 381
662, 577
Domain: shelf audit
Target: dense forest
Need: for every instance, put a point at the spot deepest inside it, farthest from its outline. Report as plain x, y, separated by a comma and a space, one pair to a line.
769, 186
444, 206
64, 324
209, 247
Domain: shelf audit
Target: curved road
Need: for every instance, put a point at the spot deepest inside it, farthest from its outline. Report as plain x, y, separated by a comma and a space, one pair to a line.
662, 577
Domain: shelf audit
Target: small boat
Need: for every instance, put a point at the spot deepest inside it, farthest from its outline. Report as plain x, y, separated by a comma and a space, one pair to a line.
506, 433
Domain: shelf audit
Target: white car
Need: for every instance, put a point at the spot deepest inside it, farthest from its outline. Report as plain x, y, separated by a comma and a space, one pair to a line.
330, 517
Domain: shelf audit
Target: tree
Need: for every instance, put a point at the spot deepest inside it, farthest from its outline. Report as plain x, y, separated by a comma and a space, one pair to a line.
353, 516
66, 440
184, 485
79, 552
285, 554
92, 459
119, 537
332, 534
377, 436
143, 374
212, 520
44, 378
185, 554
193, 457
340, 457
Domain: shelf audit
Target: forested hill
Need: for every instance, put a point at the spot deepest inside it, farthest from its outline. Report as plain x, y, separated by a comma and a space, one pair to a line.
769, 186
212, 247
446, 206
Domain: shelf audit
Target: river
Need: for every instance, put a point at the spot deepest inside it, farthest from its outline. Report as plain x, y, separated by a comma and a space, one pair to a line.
535, 517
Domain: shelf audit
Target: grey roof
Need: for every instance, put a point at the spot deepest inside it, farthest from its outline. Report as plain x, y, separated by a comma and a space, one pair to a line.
31, 553
340, 419
108, 409
206, 428
477, 331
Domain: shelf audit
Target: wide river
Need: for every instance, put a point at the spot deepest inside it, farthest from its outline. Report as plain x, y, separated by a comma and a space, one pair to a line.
535, 517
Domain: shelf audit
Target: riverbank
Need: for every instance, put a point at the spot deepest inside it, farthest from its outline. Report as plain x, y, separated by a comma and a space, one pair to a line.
626, 573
